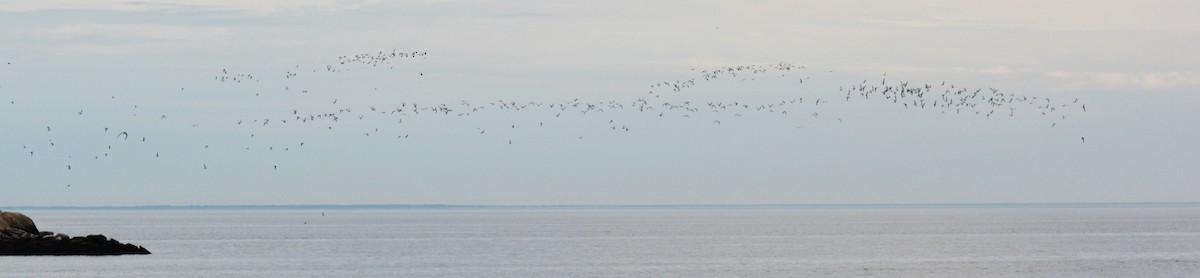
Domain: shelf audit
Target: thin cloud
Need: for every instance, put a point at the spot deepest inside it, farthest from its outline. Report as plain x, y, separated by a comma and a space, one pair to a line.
1042, 15
122, 39
255, 7
1113, 80
137, 31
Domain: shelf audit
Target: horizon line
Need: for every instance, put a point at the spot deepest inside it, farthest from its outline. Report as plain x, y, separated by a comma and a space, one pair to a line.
625, 206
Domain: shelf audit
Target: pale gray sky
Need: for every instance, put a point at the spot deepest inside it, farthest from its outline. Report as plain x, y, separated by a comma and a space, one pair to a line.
152, 68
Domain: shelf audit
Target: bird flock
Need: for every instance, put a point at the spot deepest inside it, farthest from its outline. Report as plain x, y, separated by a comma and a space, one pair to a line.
387, 119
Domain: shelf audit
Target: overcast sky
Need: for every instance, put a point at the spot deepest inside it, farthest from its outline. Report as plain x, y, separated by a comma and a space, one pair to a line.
74, 75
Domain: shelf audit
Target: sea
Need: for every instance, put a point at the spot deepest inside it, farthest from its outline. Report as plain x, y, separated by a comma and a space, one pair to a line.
997, 240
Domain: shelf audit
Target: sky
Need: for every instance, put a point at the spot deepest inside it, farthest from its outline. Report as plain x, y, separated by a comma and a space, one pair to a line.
224, 102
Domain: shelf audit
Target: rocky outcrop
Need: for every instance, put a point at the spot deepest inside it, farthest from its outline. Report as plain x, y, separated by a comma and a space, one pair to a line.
17, 220
24, 239
48, 243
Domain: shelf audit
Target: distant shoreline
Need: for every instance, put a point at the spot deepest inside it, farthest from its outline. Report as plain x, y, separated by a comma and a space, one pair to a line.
695, 206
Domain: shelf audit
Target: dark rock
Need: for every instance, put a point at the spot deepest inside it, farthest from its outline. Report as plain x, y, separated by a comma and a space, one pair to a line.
60, 245
95, 238
18, 236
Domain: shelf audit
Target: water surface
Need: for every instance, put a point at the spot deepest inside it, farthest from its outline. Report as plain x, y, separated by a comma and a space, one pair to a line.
635, 241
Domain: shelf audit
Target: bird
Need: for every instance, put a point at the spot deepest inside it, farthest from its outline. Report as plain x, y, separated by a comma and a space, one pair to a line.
896, 93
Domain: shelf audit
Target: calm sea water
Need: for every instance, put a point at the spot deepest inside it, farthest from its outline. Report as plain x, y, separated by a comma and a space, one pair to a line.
622, 242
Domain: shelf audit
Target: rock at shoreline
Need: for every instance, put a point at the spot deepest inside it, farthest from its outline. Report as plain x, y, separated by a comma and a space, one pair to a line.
48, 243
19, 236
17, 220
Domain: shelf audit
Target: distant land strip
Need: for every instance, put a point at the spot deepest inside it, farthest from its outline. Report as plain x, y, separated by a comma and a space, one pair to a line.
667, 206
